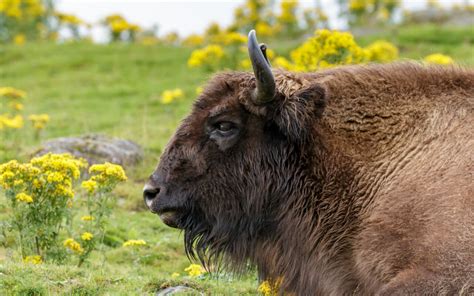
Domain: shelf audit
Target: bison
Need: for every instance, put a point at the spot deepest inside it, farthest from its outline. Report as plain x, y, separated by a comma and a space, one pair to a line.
353, 180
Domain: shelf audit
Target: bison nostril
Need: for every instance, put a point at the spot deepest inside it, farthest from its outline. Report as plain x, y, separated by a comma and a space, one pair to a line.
149, 193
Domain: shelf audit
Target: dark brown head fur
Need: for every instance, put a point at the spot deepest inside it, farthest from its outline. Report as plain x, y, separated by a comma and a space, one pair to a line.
333, 184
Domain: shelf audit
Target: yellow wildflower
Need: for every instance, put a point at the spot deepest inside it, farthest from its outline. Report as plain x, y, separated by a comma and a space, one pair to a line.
175, 275
24, 197
18, 182
114, 17
35, 259
171, 38
281, 62
229, 39
270, 288
19, 39
213, 29
55, 177
118, 24
207, 56
288, 13
64, 190
74, 246
87, 236
12, 93
134, 243
265, 288
87, 218
69, 19
39, 120
65, 164
17, 106
12, 172
327, 49
195, 270
381, 51
15, 122
245, 64
193, 40
90, 185
25, 9
169, 96
149, 40
439, 59
108, 170
358, 5
264, 29
37, 183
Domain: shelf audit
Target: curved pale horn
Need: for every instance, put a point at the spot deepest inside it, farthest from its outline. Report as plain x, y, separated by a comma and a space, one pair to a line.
265, 90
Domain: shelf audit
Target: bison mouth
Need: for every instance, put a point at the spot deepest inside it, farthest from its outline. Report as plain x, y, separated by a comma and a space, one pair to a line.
171, 216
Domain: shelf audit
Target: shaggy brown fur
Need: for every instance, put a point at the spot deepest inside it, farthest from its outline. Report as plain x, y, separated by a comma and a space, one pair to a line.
357, 180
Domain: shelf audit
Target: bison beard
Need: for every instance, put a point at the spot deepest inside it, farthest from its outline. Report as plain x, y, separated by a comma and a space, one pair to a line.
356, 180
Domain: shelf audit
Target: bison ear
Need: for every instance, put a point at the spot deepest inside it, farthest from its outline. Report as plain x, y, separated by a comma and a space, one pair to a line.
296, 115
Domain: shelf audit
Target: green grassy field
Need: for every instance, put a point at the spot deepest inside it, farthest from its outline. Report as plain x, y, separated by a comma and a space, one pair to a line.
115, 89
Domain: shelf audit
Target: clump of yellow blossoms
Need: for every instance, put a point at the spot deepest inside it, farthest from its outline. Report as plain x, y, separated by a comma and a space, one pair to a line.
117, 25
25, 16
327, 49
224, 50
439, 59
209, 56
21, 9
39, 120
381, 51
19, 39
229, 39
34, 259
87, 218
24, 197
195, 270
40, 193
270, 288
90, 185
12, 96
193, 40
287, 18
12, 118
134, 243
169, 96
87, 236
264, 29
58, 169
74, 246
9, 121
104, 177
68, 19
12, 93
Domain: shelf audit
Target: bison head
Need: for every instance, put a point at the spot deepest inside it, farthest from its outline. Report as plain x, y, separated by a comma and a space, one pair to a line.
239, 160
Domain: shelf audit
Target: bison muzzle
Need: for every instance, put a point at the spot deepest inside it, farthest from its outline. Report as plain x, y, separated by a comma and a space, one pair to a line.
353, 180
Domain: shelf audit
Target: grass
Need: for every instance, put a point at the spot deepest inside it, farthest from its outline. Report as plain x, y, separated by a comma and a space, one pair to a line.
115, 89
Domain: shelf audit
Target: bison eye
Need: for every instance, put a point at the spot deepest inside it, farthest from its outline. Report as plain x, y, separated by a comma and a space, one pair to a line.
224, 126
223, 129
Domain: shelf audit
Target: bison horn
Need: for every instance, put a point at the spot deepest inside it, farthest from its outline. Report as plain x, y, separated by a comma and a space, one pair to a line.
265, 90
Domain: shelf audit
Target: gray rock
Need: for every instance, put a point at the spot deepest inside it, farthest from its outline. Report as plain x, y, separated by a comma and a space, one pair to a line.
95, 149
178, 290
